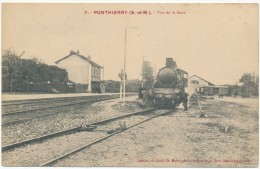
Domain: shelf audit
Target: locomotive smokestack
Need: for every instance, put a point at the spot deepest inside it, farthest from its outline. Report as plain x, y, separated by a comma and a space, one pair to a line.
170, 63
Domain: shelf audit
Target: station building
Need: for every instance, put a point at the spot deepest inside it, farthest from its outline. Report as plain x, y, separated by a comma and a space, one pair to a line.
196, 81
85, 73
205, 87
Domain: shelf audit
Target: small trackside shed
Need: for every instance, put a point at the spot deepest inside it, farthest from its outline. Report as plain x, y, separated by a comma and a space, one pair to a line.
205, 87
196, 81
213, 90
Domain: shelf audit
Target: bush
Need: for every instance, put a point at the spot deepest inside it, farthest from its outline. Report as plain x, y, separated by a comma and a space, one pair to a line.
16, 70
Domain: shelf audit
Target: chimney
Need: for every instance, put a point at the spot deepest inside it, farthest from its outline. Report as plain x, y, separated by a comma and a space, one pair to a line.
77, 51
89, 57
72, 52
170, 63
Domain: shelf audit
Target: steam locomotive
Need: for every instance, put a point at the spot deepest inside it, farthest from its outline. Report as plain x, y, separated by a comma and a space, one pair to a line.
169, 87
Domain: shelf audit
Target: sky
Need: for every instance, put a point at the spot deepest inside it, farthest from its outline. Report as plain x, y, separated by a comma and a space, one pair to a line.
218, 42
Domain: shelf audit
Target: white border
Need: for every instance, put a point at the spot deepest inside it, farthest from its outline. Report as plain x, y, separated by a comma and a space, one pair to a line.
130, 1
116, 1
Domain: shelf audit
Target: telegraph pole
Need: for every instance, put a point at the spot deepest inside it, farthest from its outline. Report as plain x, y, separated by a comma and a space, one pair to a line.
124, 67
120, 75
103, 72
124, 78
155, 70
143, 73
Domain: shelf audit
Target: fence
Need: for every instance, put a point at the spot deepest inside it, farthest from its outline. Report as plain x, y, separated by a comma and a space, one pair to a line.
62, 87
42, 87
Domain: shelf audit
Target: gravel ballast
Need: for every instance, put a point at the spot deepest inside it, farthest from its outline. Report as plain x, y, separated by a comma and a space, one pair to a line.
182, 140
30, 156
68, 118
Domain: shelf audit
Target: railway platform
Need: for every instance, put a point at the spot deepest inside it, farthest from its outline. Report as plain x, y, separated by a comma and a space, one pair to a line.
18, 96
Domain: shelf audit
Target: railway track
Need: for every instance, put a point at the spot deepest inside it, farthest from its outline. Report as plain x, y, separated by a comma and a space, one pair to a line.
39, 139
13, 117
30, 101
26, 104
40, 104
44, 138
88, 145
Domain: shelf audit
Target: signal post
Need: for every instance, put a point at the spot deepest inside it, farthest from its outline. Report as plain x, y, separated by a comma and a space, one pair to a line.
122, 79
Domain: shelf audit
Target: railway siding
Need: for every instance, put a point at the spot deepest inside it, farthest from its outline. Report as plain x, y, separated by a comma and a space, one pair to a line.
18, 106
69, 117
59, 144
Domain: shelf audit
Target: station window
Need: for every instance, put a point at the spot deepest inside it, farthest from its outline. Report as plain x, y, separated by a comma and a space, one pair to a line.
96, 72
194, 82
92, 70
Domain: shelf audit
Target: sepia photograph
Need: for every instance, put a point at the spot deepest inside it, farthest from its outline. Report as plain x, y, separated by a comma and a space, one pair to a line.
130, 85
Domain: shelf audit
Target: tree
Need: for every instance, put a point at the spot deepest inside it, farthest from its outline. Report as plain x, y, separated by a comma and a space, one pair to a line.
250, 85
11, 67
133, 85
58, 75
113, 86
246, 78
147, 74
19, 70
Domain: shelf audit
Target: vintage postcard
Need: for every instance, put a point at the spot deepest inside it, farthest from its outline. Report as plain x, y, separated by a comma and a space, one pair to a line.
130, 85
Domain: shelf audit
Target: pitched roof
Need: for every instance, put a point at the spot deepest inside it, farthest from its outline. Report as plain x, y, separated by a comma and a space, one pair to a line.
216, 86
202, 79
81, 56
183, 71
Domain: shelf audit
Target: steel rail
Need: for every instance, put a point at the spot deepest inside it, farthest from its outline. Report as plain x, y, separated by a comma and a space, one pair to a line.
67, 131
54, 106
42, 115
30, 101
55, 160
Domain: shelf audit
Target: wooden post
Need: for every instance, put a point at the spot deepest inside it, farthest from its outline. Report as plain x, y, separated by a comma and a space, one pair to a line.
42, 86
11, 86
28, 87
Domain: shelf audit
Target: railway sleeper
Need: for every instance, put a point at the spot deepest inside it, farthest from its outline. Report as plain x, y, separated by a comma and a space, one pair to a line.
86, 127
